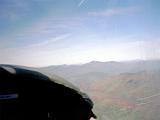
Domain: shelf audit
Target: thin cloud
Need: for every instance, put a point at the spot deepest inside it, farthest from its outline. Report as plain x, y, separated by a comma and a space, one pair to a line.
52, 40
114, 11
81, 2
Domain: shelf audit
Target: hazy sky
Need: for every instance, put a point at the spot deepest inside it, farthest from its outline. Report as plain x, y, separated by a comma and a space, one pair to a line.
47, 32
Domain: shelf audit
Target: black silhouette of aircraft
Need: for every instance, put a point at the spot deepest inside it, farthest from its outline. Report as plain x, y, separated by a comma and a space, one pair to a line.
30, 95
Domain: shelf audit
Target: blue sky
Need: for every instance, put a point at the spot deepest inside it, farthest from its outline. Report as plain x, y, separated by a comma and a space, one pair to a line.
51, 32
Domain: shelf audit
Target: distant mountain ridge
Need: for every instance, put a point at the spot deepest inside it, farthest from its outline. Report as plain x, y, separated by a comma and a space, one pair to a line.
71, 71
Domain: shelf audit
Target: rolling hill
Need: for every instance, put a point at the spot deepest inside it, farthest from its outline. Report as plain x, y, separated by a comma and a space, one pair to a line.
120, 90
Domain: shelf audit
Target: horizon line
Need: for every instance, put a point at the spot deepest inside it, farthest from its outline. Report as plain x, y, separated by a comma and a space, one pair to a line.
81, 63
120, 61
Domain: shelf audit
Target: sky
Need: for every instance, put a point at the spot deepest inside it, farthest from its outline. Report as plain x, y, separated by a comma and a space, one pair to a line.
54, 32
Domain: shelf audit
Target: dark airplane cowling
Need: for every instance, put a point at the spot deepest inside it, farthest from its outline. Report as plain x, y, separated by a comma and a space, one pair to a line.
27, 94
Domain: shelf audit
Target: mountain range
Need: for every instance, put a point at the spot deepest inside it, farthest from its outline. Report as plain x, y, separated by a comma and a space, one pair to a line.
120, 90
